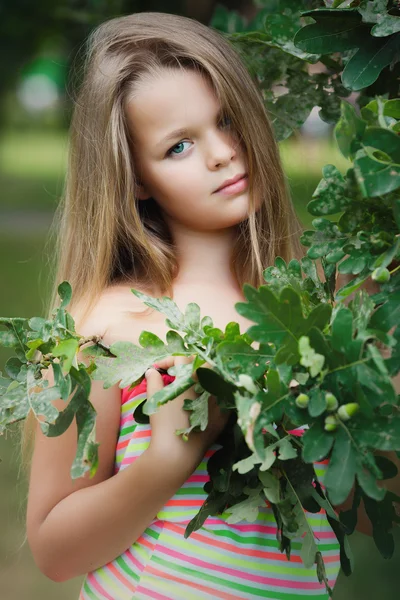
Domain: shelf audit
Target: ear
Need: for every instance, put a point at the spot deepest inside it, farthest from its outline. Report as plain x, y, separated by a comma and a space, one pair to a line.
141, 192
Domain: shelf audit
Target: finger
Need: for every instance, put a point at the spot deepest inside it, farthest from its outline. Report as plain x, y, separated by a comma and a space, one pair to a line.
155, 382
165, 363
184, 360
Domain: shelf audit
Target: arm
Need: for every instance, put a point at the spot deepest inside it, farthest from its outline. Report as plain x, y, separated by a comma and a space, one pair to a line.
76, 526
94, 525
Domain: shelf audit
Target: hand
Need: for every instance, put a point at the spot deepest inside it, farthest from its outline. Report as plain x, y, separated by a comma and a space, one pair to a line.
172, 416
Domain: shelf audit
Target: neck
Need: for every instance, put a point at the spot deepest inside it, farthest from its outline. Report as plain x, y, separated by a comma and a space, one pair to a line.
204, 257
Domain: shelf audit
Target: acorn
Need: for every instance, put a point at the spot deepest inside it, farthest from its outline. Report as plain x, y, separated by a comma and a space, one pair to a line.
302, 400
346, 411
381, 275
331, 402
330, 423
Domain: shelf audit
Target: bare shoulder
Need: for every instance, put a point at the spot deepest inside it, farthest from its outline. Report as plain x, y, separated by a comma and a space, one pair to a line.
115, 305
124, 313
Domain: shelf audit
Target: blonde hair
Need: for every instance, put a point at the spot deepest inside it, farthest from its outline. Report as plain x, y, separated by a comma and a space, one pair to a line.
104, 235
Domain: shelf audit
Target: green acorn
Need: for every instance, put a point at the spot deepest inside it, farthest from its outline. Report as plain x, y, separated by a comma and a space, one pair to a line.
302, 400
381, 275
330, 423
346, 411
331, 402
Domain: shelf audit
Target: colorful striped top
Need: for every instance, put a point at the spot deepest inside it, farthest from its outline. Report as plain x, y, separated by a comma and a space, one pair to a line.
220, 560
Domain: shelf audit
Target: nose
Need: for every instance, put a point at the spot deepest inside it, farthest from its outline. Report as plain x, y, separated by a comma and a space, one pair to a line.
221, 149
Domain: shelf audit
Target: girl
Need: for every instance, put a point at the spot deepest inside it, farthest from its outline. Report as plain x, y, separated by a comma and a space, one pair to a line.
174, 187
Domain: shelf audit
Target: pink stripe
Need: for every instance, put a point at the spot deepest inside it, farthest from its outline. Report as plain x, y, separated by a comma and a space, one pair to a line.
128, 554
93, 581
198, 479
305, 585
152, 594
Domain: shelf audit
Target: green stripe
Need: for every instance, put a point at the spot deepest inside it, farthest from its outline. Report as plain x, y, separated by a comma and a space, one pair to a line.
246, 564
174, 589
264, 593
263, 540
120, 561
168, 515
127, 429
103, 575
187, 491
89, 591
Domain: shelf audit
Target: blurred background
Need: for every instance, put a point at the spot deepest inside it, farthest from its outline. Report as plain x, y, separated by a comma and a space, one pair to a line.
38, 42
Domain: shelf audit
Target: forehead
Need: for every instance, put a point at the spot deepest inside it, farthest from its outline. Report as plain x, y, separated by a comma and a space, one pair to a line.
172, 100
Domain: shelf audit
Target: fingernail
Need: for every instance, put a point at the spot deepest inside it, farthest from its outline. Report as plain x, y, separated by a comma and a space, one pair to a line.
147, 373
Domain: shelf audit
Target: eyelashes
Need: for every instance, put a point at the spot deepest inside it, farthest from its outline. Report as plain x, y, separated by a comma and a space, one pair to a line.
170, 151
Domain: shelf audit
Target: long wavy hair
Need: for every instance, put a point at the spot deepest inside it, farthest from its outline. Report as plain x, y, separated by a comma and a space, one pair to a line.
104, 235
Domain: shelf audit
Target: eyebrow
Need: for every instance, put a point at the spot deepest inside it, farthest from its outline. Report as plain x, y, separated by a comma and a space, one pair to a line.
180, 132
172, 136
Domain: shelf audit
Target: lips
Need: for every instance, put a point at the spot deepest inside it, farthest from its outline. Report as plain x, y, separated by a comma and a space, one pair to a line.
231, 181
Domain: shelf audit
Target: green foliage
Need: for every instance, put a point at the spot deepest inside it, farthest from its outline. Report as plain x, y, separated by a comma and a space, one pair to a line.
319, 363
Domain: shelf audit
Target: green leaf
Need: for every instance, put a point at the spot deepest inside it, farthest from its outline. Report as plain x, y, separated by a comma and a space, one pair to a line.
326, 239
339, 477
16, 336
381, 516
245, 511
377, 387
349, 130
286, 450
369, 60
375, 178
376, 12
130, 362
330, 34
281, 28
276, 317
238, 356
310, 358
213, 505
175, 319
198, 413
317, 404
182, 382
352, 286
383, 139
317, 443
271, 486
68, 349
65, 292
330, 195
19, 398
246, 464
387, 315
368, 482
342, 335
381, 433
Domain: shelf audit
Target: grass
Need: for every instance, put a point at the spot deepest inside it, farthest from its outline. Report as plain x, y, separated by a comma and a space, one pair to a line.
31, 179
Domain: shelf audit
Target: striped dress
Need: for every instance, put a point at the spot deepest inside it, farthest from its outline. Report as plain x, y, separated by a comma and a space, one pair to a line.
219, 561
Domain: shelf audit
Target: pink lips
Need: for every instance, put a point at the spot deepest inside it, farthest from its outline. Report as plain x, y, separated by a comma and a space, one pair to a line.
239, 185
229, 182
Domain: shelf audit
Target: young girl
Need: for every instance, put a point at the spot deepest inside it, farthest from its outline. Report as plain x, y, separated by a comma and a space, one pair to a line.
174, 187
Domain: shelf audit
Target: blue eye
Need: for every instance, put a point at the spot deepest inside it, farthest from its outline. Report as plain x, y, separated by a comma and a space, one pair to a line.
170, 151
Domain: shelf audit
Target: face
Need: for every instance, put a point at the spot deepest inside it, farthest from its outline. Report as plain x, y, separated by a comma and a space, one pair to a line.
183, 172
